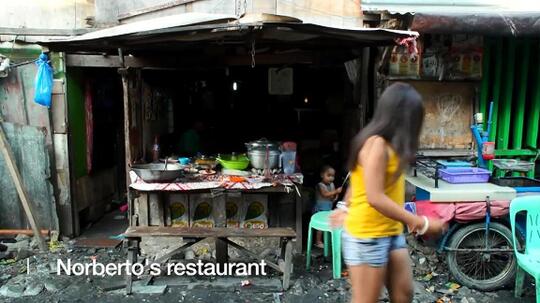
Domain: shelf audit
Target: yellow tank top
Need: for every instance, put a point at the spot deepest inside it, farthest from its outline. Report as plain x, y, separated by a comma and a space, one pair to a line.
363, 221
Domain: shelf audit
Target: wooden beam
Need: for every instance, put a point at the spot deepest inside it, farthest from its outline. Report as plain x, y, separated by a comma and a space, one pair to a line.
5, 148
93, 61
201, 232
83, 60
127, 109
43, 31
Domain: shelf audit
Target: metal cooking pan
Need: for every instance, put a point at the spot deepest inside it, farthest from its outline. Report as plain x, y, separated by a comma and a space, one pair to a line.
156, 173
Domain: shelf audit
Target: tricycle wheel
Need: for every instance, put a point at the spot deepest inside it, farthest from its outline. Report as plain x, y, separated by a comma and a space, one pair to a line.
483, 270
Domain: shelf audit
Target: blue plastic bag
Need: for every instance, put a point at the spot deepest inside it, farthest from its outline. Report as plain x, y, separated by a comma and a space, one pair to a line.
44, 81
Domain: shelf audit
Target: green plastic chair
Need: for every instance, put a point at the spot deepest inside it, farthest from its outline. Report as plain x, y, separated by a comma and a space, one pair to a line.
320, 221
528, 261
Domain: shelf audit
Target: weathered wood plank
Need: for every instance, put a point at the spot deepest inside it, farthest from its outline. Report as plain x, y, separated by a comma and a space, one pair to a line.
142, 208
199, 232
155, 209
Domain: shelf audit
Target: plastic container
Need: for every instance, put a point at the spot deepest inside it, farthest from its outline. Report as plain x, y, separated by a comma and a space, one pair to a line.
238, 162
288, 159
458, 175
447, 164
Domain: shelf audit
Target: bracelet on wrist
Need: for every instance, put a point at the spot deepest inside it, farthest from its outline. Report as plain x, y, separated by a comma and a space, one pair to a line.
424, 228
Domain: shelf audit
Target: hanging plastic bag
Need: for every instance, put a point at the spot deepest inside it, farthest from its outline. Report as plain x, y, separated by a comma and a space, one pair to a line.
44, 81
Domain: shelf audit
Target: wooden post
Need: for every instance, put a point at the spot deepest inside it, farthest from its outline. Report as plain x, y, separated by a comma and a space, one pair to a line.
21, 190
299, 220
220, 220
127, 109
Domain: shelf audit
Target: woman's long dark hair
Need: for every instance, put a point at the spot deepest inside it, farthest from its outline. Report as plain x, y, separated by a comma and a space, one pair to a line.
398, 119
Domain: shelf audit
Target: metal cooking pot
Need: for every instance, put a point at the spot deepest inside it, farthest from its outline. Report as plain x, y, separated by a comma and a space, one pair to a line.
262, 144
156, 173
258, 158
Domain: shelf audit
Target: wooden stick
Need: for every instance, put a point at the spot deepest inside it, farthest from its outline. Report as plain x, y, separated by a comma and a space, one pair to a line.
5, 148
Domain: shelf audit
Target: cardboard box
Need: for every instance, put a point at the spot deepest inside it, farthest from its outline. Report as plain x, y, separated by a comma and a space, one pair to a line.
201, 210
233, 207
179, 210
255, 211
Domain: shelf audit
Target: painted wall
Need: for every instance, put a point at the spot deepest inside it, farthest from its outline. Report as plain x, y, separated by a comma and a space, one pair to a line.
58, 14
335, 12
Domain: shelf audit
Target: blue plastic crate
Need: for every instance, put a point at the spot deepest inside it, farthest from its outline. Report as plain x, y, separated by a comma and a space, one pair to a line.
459, 175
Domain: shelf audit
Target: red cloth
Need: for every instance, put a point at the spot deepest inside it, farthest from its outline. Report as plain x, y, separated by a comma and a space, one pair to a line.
461, 211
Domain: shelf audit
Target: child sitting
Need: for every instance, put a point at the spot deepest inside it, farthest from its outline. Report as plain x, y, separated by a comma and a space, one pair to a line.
325, 194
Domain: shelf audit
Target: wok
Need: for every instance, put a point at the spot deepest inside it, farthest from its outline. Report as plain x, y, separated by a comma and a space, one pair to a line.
156, 173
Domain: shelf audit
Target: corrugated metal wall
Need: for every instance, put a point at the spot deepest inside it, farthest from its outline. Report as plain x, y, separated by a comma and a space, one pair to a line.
511, 79
28, 128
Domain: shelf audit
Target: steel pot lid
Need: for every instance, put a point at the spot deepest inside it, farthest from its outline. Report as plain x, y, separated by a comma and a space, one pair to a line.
262, 144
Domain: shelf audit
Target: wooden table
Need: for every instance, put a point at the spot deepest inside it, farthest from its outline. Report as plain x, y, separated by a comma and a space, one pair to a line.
149, 218
154, 200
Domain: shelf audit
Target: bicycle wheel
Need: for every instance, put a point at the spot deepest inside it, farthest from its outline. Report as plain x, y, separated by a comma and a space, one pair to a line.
485, 271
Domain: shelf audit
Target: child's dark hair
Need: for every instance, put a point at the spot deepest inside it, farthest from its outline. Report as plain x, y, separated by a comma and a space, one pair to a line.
325, 168
398, 120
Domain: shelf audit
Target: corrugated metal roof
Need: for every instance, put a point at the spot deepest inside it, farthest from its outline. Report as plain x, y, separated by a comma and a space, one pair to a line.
457, 6
182, 29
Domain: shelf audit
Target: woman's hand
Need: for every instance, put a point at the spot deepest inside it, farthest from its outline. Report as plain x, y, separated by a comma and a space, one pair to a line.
435, 227
337, 217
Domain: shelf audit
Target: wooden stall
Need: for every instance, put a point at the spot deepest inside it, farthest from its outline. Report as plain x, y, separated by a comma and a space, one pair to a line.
204, 43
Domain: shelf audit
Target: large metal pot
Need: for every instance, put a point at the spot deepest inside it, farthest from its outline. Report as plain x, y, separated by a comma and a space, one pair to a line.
156, 173
258, 150
257, 158
262, 144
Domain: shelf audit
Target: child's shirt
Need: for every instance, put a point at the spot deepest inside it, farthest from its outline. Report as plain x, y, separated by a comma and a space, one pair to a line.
319, 197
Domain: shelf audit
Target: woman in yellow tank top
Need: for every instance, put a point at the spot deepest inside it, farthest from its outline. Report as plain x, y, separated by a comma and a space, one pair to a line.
374, 247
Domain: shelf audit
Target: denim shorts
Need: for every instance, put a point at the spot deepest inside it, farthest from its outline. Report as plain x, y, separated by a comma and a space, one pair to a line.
374, 252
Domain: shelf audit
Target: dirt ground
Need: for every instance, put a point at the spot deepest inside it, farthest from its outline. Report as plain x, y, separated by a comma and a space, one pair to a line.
42, 284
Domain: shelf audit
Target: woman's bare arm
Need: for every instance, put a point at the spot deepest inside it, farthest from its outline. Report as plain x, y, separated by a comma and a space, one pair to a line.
374, 158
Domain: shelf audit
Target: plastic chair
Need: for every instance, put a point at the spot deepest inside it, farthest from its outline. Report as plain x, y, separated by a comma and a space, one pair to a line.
320, 221
528, 261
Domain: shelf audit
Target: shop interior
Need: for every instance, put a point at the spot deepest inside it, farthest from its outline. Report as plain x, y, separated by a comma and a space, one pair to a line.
227, 107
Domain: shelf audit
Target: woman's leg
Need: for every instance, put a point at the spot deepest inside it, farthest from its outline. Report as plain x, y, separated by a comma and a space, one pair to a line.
366, 283
399, 280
